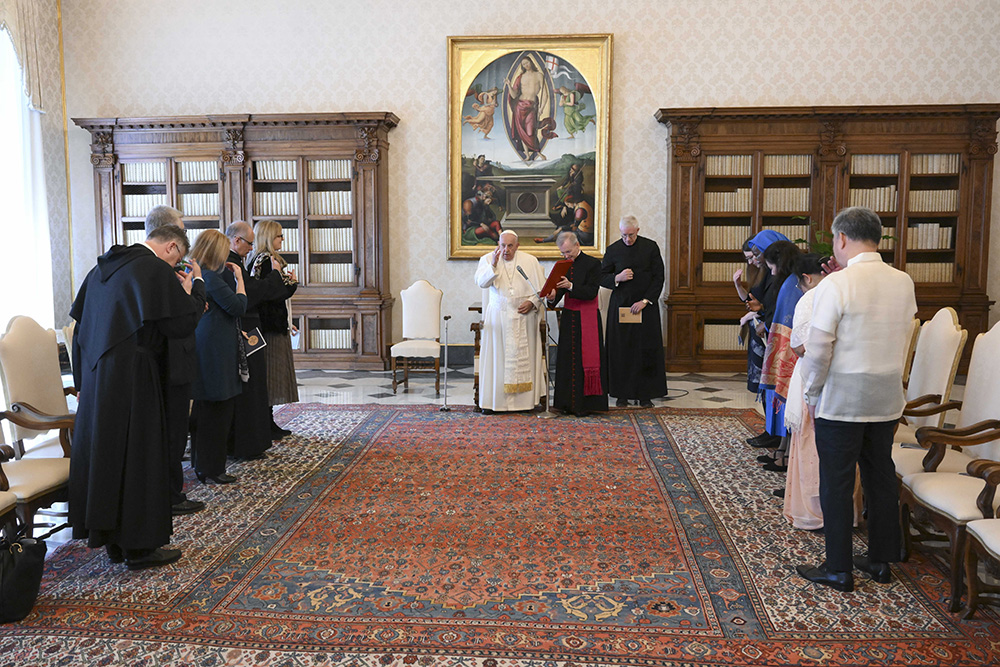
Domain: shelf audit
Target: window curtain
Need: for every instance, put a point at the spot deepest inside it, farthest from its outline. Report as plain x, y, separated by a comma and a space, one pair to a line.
19, 18
26, 268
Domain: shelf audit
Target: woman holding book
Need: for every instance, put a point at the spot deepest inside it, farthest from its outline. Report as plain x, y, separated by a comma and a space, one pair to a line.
275, 319
222, 363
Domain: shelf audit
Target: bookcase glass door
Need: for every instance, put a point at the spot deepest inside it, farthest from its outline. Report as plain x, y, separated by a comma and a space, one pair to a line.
932, 221
144, 186
728, 214
198, 196
330, 221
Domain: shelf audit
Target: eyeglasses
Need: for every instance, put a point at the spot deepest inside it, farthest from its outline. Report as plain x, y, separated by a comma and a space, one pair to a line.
280, 236
244, 240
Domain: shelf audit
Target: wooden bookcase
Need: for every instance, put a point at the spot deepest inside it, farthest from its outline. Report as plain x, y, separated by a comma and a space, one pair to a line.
927, 171
322, 176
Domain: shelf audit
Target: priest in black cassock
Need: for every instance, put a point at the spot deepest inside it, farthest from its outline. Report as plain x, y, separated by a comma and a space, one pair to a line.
581, 365
128, 307
633, 270
251, 432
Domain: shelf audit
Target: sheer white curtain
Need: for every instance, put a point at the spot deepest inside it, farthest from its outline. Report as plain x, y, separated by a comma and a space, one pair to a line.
25, 260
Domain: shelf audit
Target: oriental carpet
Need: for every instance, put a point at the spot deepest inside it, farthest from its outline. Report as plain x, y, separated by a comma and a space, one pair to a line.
383, 535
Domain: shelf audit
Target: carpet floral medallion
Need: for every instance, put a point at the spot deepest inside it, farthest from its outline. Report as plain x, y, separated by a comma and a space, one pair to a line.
384, 535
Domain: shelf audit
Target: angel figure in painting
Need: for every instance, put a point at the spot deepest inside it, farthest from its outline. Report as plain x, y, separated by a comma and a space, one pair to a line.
485, 104
572, 103
528, 98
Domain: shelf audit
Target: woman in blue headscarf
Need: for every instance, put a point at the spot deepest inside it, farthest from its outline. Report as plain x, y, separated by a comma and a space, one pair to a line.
766, 294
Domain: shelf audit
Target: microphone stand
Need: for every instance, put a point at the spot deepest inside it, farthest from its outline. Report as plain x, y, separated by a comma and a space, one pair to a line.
445, 408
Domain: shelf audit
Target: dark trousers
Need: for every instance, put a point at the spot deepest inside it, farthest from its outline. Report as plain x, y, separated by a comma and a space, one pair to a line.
213, 425
177, 403
868, 445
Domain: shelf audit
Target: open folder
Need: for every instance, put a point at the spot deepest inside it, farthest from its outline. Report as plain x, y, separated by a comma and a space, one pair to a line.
555, 275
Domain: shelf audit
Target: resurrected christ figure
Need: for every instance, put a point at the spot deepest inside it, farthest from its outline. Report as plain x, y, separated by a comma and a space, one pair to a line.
527, 97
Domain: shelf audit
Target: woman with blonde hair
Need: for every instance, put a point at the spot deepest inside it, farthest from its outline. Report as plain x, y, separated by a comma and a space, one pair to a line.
221, 357
275, 321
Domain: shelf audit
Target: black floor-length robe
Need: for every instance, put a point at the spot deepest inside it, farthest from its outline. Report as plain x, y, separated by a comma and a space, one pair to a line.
636, 368
130, 304
570, 394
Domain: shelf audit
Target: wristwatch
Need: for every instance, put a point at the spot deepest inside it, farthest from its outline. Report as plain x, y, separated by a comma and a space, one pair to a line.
647, 302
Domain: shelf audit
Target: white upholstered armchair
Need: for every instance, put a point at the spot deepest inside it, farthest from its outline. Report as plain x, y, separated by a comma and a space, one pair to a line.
420, 349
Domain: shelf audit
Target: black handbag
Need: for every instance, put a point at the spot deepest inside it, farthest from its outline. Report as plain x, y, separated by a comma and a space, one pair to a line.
21, 563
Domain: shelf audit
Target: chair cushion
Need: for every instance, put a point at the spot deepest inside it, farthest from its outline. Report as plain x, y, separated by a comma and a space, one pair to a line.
7, 501
30, 478
417, 347
987, 531
910, 460
949, 493
906, 433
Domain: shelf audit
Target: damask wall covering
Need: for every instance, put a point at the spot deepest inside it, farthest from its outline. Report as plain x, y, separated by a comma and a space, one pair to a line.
160, 57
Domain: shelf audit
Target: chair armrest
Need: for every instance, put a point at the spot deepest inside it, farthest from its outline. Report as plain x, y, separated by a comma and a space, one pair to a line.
27, 416
922, 400
69, 391
912, 408
989, 471
937, 440
6, 454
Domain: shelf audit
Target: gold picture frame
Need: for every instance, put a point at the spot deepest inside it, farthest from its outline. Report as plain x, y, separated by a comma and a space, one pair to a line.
528, 135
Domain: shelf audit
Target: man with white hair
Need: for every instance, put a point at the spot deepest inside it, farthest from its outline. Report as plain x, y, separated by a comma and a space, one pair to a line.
633, 271
511, 376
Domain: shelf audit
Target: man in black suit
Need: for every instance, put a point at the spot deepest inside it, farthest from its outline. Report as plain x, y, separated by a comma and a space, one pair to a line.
251, 432
182, 368
581, 365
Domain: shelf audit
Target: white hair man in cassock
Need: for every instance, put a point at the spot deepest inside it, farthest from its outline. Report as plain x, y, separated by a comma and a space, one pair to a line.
511, 376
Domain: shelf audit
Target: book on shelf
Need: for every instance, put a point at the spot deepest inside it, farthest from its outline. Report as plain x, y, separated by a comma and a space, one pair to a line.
330, 202
719, 272
875, 165
144, 172
276, 203
881, 199
329, 170
786, 199
722, 337
928, 236
787, 165
933, 201
198, 203
931, 272
929, 164
330, 339
793, 232
276, 170
137, 206
201, 170
728, 165
331, 239
193, 233
290, 242
133, 236
887, 243
331, 273
725, 237
734, 201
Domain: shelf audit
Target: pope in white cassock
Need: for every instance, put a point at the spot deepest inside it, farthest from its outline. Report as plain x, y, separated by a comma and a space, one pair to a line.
511, 376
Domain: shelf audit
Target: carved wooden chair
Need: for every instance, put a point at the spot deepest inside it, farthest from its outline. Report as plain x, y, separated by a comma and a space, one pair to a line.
36, 483
420, 349
30, 373
983, 544
935, 361
911, 348
948, 500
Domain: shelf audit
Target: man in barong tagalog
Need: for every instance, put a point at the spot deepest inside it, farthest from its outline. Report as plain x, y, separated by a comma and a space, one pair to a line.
581, 366
511, 376
633, 270
127, 309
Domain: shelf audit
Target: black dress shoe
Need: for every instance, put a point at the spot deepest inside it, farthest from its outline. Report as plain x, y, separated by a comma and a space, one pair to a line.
645, 403
621, 403
765, 458
187, 507
759, 436
218, 479
778, 493
278, 434
879, 572
255, 457
841, 581
774, 467
155, 558
115, 553
770, 442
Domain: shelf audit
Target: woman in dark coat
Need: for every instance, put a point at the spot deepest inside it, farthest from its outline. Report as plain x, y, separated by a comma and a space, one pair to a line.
275, 322
221, 359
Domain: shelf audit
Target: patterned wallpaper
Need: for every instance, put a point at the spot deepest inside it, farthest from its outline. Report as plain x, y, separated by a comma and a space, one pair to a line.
161, 57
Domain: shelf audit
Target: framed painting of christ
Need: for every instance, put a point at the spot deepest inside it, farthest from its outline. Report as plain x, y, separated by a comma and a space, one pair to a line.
528, 123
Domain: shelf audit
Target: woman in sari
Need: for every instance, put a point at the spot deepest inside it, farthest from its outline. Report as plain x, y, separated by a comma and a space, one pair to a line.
751, 284
766, 295
779, 360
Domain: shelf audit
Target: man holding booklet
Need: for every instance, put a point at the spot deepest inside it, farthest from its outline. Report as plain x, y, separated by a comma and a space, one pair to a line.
633, 270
